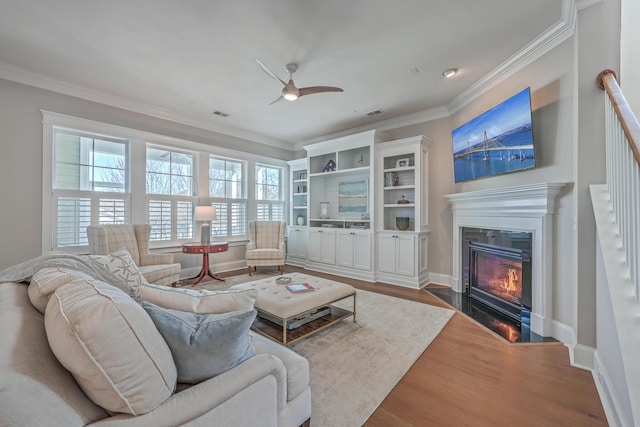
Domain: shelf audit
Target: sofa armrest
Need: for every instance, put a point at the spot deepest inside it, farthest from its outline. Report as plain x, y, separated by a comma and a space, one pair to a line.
195, 402
154, 259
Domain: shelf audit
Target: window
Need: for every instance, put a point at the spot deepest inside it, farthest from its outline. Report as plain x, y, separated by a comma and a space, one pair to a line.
90, 184
227, 194
170, 194
269, 197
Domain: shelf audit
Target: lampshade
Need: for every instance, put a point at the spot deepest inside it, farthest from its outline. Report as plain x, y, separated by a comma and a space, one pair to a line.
205, 213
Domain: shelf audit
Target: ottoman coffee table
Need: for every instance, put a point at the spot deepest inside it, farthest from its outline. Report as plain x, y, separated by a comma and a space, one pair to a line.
286, 317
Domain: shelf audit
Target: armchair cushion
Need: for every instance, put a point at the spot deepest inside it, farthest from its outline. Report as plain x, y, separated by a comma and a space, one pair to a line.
266, 243
156, 268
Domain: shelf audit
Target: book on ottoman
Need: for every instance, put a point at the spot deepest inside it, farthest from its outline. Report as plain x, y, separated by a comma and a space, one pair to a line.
283, 280
300, 287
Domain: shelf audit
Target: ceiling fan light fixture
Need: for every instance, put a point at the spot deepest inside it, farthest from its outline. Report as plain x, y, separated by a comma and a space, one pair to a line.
450, 73
290, 96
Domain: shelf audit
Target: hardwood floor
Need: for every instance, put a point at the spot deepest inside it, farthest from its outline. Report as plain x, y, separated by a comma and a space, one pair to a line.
470, 377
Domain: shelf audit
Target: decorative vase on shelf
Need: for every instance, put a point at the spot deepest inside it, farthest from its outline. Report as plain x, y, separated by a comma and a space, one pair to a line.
324, 210
300, 220
402, 223
403, 201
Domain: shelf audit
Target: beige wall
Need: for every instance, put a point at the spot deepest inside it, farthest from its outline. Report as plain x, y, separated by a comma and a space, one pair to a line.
21, 161
568, 130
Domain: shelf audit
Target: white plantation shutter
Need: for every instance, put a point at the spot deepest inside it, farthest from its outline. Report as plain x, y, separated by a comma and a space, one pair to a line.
184, 216
73, 217
113, 211
160, 219
238, 219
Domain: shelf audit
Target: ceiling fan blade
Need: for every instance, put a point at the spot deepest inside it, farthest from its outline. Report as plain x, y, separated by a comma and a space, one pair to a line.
318, 89
276, 100
269, 72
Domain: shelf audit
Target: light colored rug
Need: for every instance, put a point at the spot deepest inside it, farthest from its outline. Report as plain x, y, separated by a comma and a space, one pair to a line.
353, 366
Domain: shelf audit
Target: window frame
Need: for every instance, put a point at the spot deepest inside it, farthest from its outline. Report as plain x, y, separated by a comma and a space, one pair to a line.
138, 140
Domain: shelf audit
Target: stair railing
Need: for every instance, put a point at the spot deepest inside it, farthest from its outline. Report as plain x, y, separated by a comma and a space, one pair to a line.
622, 141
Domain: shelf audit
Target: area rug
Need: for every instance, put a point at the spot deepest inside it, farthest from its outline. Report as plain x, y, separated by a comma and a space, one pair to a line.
353, 366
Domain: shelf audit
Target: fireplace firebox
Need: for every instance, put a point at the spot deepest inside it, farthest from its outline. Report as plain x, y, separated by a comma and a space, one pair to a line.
500, 277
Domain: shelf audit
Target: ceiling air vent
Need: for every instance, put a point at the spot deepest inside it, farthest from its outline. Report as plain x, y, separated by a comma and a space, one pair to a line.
374, 112
220, 113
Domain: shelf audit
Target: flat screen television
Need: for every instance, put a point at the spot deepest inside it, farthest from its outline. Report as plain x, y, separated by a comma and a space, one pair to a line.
498, 141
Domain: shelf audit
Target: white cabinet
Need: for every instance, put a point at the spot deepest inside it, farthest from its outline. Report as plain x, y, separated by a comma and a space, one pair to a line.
296, 245
396, 253
322, 246
353, 249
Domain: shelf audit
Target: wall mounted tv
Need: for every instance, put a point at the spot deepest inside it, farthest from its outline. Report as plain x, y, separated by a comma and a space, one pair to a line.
497, 141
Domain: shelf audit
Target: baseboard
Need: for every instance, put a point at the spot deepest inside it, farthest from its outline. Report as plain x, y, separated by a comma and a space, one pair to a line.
440, 279
582, 356
615, 416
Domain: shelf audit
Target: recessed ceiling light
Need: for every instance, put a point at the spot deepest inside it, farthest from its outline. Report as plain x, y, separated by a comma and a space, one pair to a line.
450, 72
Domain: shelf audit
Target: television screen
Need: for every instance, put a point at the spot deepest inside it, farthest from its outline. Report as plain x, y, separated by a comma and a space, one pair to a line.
496, 142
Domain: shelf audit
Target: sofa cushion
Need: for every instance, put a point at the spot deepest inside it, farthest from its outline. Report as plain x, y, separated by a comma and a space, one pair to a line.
199, 301
297, 366
204, 345
46, 280
110, 346
122, 265
35, 390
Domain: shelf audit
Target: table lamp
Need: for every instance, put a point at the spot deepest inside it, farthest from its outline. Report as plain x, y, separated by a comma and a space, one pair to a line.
205, 214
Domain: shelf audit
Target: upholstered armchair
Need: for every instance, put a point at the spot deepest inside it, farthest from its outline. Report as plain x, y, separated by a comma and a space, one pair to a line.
156, 268
266, 245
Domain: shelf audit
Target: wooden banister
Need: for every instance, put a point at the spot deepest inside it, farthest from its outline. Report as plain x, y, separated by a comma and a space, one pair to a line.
607, 80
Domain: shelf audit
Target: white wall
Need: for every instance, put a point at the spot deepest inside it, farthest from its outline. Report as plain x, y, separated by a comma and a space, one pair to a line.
629, 74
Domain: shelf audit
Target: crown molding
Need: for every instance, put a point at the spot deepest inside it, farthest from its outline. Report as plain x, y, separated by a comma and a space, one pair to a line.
394, 123
556, 34
19, 75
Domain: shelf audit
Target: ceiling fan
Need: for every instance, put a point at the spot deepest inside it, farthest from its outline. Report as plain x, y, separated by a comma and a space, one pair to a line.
290, 92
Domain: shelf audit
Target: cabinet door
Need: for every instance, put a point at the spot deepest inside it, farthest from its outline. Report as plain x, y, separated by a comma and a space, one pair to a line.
405, 253
313, 249
345, 248
362, 251
327, 247
387, 253
297, 243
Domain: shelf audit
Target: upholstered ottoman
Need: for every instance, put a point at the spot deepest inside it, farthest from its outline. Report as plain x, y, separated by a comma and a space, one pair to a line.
279, 309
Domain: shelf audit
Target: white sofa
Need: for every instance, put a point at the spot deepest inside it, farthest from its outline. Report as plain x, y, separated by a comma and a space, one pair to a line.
269, 389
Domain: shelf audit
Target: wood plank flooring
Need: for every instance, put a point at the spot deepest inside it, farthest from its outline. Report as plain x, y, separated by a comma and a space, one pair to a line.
470, 377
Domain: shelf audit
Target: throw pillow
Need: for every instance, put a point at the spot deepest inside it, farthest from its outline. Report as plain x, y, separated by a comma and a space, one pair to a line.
204, 345
46, 280
122, 265
110, 346
198, 300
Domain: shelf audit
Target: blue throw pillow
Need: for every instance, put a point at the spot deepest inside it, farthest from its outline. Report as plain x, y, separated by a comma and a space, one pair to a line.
204, 345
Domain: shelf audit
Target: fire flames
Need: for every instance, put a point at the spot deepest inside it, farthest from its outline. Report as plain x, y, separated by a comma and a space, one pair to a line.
500, 278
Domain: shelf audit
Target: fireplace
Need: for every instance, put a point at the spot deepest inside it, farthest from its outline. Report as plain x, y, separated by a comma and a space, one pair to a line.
500, 277
527, 208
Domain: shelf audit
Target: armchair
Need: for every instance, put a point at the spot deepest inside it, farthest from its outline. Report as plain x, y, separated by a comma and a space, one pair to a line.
266, 245
156, 268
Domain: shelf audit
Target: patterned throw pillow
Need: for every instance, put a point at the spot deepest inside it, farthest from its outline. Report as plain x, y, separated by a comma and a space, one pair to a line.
124, 268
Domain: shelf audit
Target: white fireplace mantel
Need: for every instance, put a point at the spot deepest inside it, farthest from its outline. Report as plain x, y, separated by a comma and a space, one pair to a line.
526, 208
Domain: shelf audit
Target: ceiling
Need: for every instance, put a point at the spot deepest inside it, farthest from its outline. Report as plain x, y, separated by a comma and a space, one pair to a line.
183, 60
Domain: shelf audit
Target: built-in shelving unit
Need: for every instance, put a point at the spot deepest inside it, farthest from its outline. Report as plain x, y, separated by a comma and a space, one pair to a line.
402, 211
298, 212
